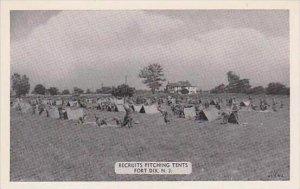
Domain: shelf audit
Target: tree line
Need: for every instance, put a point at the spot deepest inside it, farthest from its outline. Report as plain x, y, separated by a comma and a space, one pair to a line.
153, 77
238, 85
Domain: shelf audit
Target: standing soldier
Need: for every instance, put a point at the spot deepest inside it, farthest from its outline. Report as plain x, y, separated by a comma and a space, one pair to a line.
128, 116
234, 110
164, 113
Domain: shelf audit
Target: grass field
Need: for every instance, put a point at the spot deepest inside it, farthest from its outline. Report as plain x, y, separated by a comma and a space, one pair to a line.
46, 149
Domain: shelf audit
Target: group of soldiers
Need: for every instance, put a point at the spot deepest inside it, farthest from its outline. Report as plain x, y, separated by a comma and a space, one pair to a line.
177, 108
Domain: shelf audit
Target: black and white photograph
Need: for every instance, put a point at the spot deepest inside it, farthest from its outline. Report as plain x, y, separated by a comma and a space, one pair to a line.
150, 95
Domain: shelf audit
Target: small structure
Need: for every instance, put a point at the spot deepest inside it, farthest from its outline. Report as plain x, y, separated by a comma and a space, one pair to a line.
151, 109
189, 113
180, 86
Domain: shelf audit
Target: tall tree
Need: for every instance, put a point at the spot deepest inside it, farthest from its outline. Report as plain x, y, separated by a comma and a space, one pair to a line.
65, 92
39, 89
123, 91
88, 91
20, 84
277, 88
237, 85
53, 91
77, 90
153, 76
218, 89
232, 77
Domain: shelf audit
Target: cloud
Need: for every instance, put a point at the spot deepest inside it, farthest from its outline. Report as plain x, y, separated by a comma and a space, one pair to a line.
87, 48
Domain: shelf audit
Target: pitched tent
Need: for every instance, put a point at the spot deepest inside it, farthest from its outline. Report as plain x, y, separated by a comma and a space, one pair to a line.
189, 113
119, 101
213, 102
53, 113
233, 119
45, 102
72, 103
58, 102
209, 114
152, 109
75, 114
33, 102
89, 101
119, 108
173, 101
137, 108
245, 103
25, 107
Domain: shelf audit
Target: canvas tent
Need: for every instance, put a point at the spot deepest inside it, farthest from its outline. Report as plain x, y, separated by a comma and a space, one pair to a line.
74, 114
89, 101
151, 109
58, 102
45, 102
53, 113
119, 101
213, 102
119, 108
173, 101
137, 108
189, 113
233, 119
24, 107
245, 103
209, 114
72, 103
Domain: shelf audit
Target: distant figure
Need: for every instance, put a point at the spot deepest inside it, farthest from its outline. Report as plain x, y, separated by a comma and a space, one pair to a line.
117, 120
100, 122
128, 116
274, 104
235, 110
164, 113
225, 117
206, 104
263, 105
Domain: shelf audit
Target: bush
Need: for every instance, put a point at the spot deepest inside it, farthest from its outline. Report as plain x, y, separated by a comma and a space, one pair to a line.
256, 90
218, 89
277, 88
184, 91
123, 91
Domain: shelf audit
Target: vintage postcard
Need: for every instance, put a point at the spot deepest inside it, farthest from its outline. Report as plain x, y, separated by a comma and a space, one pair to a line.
111, 94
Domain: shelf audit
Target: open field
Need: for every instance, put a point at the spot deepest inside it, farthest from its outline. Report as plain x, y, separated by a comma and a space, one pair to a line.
46, 149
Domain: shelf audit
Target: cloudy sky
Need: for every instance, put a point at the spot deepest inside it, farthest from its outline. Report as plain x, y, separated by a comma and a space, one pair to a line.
87, 48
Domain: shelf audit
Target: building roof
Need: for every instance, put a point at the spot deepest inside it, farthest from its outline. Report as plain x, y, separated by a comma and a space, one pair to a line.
180, 84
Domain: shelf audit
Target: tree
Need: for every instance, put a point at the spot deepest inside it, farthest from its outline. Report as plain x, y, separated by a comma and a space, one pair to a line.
65, 92
123, 91
232, 77
104, 90
237, 85
184, 91
257, 90
88, 91
39, 89
277, 88
77, 90
20, 84
218, 89
153, 76
53, 91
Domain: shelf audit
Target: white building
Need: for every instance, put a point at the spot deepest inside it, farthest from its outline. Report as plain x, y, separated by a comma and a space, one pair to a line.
179, 86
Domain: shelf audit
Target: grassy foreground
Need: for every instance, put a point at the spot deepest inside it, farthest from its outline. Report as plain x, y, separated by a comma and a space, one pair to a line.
45, 149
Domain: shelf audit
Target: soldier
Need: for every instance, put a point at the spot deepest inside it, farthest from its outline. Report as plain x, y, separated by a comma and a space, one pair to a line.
235, 110
128, 116
164, 113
